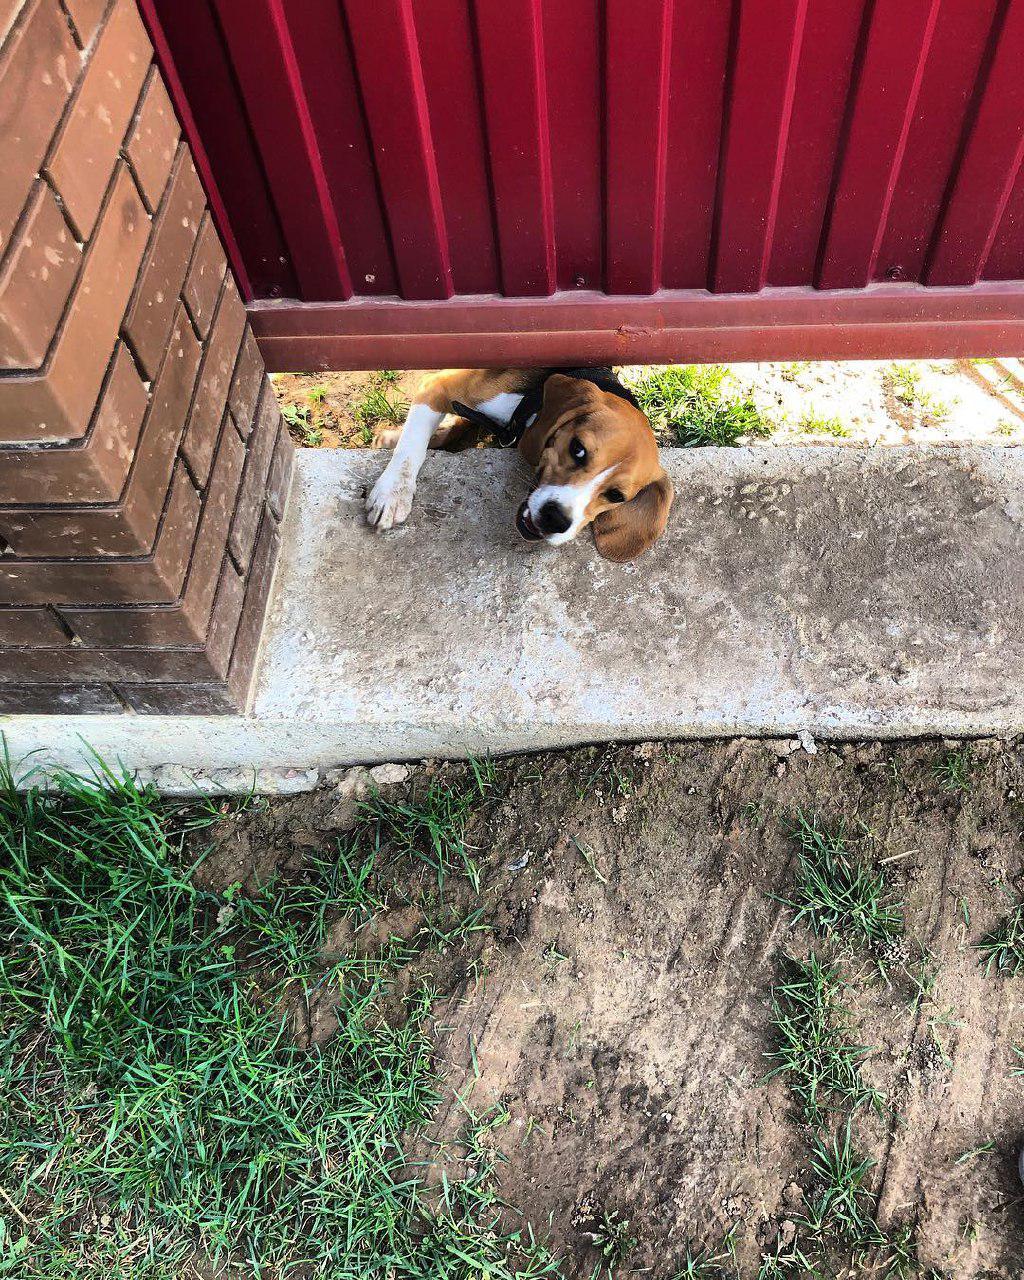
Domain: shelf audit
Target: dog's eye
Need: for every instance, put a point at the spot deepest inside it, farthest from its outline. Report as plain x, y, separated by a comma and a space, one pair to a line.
615, 495
576, 451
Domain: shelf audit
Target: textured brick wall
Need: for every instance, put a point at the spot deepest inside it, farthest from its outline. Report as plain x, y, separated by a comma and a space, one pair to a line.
143, 464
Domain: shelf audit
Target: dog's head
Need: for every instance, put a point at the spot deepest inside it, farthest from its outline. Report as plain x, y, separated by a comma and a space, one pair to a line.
597, 463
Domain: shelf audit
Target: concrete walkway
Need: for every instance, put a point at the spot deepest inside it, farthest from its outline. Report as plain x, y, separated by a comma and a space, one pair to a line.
845, 593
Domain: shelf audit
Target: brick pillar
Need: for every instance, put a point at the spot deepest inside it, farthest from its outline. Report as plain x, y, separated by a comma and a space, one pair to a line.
143, 464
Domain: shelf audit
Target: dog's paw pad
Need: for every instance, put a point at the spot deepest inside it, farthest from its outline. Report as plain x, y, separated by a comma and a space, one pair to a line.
390, 502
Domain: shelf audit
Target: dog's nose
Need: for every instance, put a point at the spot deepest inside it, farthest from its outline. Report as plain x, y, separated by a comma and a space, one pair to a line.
553, 518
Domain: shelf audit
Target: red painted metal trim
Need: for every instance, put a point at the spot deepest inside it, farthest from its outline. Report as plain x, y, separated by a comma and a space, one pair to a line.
639, 34
691, 325
765, 63
882, 111
275, 101
992, 159
202, 161
511, 43
391, 80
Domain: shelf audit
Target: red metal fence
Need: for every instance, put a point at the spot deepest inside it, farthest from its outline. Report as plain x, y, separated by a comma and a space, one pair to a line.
645, 178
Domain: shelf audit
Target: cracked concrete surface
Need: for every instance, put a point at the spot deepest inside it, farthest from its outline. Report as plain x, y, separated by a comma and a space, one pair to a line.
844, 593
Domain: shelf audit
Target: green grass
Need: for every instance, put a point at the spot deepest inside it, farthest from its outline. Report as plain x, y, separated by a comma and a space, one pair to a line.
429, 825
812, 1042
157, 1108
298, 416
817, 424
953, 771
691, 405
904, 382
703, 1264
842, 1208
1003, 948
902, 1262
380, 404
838, 891
611, 1237
973, 1153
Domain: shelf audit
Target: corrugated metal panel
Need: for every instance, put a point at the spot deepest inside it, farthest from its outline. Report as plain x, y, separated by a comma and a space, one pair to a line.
432, 149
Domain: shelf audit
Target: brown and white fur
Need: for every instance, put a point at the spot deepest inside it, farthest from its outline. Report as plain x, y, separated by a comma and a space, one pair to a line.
595, 456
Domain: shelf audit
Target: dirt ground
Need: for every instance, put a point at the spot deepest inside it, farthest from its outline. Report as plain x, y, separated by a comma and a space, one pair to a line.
832, 402
614, 997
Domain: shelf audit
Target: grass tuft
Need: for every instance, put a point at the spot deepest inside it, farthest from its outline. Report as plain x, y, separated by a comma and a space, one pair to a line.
817, 424
838, 891
158, 1112
691, 405
612, 1239
953, 771
1003, 948
904, 383
380, 404
702, 1264
812, 1042
843, 1208
429, 825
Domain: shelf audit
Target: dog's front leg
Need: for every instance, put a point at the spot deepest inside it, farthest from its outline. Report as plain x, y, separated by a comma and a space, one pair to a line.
390, 499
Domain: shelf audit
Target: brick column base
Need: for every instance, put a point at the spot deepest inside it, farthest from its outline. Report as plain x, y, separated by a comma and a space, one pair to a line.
143, 463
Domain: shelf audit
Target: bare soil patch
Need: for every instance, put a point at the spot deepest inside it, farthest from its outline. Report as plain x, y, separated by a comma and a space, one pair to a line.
611, 1004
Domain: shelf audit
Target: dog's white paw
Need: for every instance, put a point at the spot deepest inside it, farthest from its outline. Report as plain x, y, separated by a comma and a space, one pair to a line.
386, 437
390, 500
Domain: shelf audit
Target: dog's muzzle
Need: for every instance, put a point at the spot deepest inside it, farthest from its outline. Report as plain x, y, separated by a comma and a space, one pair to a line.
524, 524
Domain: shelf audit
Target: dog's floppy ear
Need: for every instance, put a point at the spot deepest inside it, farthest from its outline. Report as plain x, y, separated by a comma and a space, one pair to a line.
560, 395
626, 531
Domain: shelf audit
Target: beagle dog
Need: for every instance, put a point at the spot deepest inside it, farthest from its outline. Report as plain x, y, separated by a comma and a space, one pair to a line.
593, 450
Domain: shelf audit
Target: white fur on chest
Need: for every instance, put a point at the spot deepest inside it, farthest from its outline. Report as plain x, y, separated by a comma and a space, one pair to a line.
502, 406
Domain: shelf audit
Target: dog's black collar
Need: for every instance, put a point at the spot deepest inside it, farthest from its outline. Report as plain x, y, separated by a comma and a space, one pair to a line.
510, 433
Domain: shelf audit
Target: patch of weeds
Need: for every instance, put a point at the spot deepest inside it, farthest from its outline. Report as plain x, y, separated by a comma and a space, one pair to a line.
297, 416
813, 1048
316, 395
838, 891
691, 405
1003, 948
380, 404
792, 370
904, 382
788, 1262
611, 1237
429, 825
817, 424
157, 1110
703, 1264
902, 1262
1004, 428
843, 1209
953, 771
